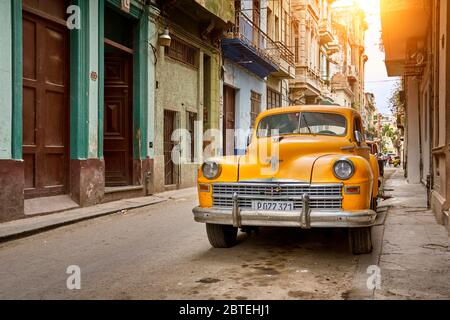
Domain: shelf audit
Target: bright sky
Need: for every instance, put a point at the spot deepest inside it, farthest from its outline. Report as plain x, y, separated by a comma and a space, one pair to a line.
377, 80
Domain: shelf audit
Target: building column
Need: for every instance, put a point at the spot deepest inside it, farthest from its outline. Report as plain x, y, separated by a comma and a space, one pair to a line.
12, 179
142, 164
412, 133
87, 170
152, 56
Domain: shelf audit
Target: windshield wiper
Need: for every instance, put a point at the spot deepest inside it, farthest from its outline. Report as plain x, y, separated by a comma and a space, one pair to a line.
306, 123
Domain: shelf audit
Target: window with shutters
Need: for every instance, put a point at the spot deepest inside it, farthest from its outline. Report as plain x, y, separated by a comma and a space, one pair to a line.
273, 99
182, 52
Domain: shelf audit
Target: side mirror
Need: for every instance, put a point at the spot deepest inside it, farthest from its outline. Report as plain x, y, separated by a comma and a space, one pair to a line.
359, 137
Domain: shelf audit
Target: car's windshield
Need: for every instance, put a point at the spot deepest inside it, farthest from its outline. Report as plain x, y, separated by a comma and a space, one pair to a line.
314, 123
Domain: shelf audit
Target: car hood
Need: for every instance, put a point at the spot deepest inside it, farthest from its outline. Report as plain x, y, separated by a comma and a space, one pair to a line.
291, 159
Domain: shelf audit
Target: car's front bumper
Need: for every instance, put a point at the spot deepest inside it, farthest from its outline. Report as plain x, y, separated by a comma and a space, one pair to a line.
320, 218
306, 218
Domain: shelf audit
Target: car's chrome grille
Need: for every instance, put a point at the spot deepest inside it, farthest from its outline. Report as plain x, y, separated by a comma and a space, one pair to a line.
327, 196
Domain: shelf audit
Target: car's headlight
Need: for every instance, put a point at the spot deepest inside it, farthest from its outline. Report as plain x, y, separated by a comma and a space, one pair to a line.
344, 169
211, 170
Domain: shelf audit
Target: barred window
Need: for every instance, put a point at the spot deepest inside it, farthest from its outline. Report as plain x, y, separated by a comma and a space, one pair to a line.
181, 51
273, 99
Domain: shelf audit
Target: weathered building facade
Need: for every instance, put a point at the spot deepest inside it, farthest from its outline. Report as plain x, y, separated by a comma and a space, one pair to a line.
415, 38
78, 99
88, 90
348, 68
257, 65
188, 91
314, 43
369, 112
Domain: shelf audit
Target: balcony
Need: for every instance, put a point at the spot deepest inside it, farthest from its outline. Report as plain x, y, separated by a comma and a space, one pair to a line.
325, 32
404, 29
307, 80
213, 15
224, 10
333, 47
352, 74
283, 58
340, 82
248, 46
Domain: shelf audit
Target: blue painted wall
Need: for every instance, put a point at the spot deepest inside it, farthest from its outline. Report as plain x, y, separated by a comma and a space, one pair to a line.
244, 82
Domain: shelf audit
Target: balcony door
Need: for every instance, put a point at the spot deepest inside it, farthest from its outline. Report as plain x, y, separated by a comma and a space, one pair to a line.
256, 23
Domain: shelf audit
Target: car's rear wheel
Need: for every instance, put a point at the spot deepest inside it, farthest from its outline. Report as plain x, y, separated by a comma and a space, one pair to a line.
360, 240
221, 236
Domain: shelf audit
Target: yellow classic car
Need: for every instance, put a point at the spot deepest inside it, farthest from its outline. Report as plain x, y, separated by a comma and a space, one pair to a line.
305, 167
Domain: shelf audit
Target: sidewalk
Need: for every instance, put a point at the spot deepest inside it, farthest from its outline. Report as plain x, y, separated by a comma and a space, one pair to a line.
29, 226
415, 252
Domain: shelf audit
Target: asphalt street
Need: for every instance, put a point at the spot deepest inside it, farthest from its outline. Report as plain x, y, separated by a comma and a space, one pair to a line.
159, 252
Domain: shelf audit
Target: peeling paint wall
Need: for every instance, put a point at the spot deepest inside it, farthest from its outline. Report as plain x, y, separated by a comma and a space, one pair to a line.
224, 9
180, 88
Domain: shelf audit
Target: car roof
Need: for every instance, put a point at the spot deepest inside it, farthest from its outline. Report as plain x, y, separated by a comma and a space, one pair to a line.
346, 111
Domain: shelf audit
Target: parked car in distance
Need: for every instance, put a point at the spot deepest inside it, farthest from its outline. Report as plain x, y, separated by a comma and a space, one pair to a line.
390, 158
321, 176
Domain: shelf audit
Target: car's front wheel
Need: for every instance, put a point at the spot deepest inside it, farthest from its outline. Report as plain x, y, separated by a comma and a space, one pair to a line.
221, 236
360, 240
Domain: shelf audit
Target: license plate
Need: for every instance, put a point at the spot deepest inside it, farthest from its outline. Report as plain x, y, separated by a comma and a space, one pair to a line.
272, 206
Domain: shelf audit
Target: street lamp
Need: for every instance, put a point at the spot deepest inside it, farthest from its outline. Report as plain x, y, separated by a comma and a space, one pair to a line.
164, 38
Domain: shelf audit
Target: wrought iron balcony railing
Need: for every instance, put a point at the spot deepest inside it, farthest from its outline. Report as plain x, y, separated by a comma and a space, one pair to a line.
246, 30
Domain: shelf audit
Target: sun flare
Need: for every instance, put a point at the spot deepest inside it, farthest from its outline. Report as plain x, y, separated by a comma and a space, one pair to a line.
369, 6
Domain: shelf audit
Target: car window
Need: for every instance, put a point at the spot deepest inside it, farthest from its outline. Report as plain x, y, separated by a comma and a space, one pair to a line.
315, 123
279, 124
330, 124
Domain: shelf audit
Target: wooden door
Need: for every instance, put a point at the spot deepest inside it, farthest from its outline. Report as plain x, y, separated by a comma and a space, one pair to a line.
229, 114
169, 126
118, 119
45, 104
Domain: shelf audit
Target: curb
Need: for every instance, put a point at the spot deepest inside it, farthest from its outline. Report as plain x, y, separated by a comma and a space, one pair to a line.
26, 231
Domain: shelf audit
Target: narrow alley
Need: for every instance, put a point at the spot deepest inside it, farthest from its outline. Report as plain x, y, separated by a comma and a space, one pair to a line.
159, 252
